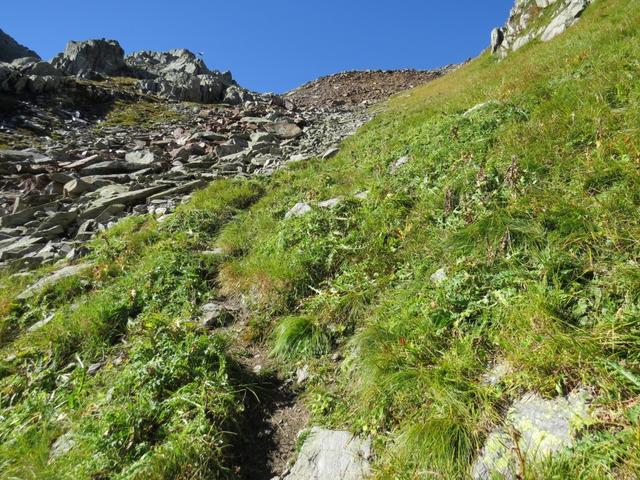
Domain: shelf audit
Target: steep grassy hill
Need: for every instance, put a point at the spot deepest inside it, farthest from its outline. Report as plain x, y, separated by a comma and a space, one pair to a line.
526, 209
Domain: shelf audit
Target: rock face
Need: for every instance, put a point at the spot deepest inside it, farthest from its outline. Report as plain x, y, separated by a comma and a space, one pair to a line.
334, 455
178, 75
11, 50
29, 75
149, 64
523, 25
91, 58
535, 427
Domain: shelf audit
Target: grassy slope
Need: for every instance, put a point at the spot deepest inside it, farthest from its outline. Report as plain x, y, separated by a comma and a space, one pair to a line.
531, 206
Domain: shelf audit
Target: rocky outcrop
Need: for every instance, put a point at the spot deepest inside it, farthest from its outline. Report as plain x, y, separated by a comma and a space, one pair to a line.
179, 75
526, 23
11, 50
91, 58
29, 75
149, 64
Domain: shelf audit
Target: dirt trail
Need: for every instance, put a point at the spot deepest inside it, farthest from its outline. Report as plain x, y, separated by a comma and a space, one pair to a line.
273, 416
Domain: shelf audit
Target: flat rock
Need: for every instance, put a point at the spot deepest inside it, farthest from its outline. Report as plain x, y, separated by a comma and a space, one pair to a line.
53, 278
543, 428
332, 455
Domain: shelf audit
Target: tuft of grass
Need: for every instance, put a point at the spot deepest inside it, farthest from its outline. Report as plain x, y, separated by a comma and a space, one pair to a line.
296, 337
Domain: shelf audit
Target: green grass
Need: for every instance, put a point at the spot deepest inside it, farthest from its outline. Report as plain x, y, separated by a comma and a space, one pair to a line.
142, 113
530, 205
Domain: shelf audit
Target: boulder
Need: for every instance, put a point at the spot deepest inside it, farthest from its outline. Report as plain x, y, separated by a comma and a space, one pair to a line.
284, 130
11, 50
142, 157
298, 210
88, 58
542, 429
329, 454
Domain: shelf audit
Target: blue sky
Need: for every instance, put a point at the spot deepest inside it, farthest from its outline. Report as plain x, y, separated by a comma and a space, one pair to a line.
270, 45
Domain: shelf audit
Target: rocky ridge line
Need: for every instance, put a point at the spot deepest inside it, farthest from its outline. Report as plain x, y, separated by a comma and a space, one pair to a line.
523, 26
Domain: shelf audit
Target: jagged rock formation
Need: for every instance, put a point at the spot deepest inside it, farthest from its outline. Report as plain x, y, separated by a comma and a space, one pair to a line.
178, 75
29, 75
91, 58
535, 19
11, 50
175, 75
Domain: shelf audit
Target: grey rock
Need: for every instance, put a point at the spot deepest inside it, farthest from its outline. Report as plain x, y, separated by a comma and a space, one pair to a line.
181, 189
302, 374
543, 428
24, 216
61, 446
496, 374
87, 58
439, 276
332, 455
142, 157
52, 279
520, 28
395, 166
214, 315
565, 19
13, 249
77, 187
148, 64
330, 153
298, 210
38, 325
126, 198
284, 130
497, 37
11, 50
331, 203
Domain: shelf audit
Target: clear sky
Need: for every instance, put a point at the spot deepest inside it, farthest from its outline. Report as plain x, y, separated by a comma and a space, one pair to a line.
269, 45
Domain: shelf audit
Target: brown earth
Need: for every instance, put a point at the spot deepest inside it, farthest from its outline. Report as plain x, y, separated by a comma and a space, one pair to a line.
354, 88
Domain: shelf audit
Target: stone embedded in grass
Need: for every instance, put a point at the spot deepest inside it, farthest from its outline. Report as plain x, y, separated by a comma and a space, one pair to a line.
399, 163
38, 325
330, 153
214, 315
534, 429
52, 279
479, 106
298, 210
335, 455
302, 374
332, 202
439, 276
498, 371
61, 446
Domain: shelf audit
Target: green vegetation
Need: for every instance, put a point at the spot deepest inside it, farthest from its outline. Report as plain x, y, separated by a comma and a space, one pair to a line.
528, 205
142, 114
